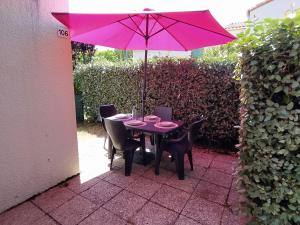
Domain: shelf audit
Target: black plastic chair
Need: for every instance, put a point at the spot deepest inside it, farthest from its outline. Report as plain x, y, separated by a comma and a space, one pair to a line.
104, 112
180, 146
122, 141
165, 113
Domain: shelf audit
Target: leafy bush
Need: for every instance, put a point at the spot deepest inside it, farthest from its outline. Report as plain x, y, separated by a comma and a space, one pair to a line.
221, 53
190, 87
109, 83
81, 53
270, 135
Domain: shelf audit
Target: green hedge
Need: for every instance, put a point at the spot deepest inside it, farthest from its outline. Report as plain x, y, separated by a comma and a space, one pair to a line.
109, 83
270, 136
191, 88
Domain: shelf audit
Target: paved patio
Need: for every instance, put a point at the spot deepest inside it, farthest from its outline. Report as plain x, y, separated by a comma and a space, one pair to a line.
207, 196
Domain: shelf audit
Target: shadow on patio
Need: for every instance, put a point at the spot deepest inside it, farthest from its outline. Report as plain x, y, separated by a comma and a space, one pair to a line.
207, 196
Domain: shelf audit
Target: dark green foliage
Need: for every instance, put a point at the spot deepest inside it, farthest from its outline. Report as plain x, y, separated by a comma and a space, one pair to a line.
270, 136
190, 87
81, 53
109, 83
197, 88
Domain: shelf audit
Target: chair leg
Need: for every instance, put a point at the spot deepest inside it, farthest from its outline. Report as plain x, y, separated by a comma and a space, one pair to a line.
105, 139
113, 151
190, 155
180, 165
157, 161
128, 161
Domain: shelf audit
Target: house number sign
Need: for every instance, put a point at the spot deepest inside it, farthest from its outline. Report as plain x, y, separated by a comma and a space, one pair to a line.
62, 32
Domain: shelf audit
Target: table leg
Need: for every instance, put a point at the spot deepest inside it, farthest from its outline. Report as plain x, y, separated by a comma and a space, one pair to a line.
158, 153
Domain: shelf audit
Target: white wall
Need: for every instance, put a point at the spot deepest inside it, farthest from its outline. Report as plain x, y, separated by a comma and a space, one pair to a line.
274, 9
38, 145
140, 54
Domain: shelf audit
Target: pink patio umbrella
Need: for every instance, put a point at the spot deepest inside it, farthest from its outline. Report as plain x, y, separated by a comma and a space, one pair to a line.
146, 30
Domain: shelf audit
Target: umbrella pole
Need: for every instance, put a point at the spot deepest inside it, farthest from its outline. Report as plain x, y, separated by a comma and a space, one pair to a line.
145, 67
144, 83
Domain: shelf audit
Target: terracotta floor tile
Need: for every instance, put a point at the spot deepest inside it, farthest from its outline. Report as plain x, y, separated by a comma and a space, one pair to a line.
197, 173
211, 192
154, 214
201, 162
144, 187
163, 177
171, 198
118, 178
223, 167
140, 169
226, 158
204, 154
73, 211
182, 220
78, 184
188, 184
101, 192
125, 204
103, 217
217, 177
235, 199
203, 211
232, 219
53, 198
45, 220
24, 214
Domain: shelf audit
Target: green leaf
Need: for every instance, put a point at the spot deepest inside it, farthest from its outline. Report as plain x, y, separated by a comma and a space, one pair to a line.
290, 106
295, 84
278, 89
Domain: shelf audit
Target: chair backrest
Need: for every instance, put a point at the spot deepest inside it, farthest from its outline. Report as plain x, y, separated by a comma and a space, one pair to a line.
193, 131
117, 133
165, 113
106, 111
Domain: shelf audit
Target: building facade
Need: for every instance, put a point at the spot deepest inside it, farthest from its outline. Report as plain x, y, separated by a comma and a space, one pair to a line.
38, 143
273, 9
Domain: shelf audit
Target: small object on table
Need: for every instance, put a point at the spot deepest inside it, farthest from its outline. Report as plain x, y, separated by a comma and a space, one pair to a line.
165, 124
135, 123
151, 118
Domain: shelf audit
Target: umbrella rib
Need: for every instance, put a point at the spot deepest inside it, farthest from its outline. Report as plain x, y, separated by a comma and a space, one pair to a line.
152, 26
132, 36
164, 28
196, 26
131, 29
171, 34
138, 26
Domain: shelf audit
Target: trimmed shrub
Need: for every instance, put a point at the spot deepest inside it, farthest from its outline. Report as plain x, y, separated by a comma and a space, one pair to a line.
270, 134
191, 88
109, 83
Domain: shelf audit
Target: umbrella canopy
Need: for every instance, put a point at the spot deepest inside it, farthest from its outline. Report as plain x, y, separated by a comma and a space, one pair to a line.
146, 30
